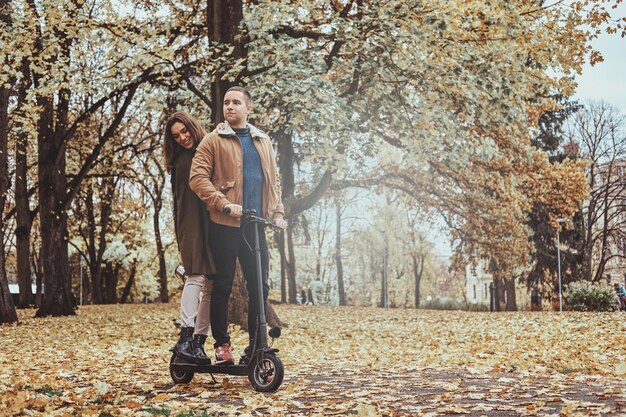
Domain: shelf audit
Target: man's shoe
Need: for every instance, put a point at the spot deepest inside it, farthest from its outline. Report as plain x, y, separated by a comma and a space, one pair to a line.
224, 355
198, 350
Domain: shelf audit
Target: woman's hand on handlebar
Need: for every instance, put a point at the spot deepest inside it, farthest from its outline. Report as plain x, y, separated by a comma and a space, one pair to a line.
233, 210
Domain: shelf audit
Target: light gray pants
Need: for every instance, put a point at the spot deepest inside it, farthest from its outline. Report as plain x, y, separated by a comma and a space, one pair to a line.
191, 305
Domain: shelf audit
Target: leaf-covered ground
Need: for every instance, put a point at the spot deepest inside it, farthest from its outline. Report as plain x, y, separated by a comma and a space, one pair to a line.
113, 360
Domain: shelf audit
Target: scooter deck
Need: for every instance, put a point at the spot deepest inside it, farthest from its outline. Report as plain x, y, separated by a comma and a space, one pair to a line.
209, 369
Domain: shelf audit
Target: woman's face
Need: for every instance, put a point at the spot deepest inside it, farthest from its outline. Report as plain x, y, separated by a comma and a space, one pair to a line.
181, 135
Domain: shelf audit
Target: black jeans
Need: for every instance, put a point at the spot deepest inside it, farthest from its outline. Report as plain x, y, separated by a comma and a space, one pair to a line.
227, 245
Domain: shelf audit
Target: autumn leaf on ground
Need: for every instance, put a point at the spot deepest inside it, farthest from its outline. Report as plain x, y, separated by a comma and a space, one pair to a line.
394, 362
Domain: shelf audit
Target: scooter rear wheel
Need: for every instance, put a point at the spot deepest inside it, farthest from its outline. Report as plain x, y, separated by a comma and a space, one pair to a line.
267, 374
179, 377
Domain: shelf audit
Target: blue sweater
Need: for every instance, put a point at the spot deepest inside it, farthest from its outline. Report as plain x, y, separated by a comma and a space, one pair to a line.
252, 172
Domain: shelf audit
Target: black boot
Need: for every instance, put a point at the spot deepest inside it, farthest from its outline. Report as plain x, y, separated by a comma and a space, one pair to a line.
184, 347
198, 350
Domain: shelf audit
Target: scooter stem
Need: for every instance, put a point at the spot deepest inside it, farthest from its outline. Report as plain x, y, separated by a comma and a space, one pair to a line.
262, 323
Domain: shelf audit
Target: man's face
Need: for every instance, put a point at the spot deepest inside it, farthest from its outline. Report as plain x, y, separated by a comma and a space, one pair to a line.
236, 109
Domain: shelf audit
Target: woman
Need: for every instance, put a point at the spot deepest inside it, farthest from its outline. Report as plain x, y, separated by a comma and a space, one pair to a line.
182, 135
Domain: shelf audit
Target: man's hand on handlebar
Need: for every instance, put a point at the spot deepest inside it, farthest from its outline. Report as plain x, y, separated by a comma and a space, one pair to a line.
279, 224
233, 210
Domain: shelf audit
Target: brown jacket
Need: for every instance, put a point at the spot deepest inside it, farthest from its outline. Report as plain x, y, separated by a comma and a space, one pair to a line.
191, 220
217, 174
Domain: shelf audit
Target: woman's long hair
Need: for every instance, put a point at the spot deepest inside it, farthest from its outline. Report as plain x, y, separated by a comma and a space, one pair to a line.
170, 147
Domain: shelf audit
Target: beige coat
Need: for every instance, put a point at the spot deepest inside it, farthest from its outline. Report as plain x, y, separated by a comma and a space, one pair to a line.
217, 174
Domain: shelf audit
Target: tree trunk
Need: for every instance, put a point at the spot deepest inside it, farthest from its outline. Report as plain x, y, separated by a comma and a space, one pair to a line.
338, 263
51, 129
57, 292
23, 226
238, 304
383, 287
604, 248
7, 308
418, 269
588, 244
285, 165
223, 23
163, 293
129, 283
24, 216
497, 285
291, 270
35, 262
511, 303
280, 241
99, 283
111, 277
95, 258
293, 205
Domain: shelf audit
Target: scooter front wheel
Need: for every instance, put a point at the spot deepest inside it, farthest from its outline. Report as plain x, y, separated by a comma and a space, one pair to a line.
266, 374
179, 377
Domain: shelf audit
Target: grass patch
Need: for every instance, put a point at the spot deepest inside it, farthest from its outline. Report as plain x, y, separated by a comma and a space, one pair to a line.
157, 411
48, 391
192, 414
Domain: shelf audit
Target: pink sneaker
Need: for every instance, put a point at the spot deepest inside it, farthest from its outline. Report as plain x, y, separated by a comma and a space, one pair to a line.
224, 355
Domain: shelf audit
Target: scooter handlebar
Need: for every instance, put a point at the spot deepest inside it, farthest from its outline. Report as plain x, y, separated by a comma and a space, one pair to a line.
250, 215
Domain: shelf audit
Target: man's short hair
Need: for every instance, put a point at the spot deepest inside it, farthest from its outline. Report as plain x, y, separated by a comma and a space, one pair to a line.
245, 92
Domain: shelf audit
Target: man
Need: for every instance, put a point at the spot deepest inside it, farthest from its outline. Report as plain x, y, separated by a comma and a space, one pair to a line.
234, 170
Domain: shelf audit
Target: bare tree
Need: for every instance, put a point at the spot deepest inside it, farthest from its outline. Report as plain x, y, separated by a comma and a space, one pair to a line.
598, 128
338, 260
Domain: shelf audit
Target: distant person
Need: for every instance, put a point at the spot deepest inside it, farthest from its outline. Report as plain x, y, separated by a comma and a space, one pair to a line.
318, 295
191, 224
535, 300
310, 296
303, 296
620, 291
235, 169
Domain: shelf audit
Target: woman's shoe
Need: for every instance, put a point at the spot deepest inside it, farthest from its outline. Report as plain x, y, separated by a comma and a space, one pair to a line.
184, 347
199, 353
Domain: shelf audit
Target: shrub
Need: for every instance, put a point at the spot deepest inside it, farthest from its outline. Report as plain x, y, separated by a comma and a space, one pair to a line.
446, 304
585, 296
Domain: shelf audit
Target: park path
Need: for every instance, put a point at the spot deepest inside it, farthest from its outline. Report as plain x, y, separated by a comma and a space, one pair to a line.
318, 390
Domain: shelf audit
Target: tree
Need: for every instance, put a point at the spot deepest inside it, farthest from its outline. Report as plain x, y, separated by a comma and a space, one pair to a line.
598, 128
418, 253
449, 93
153, 180
551, 139
58, 57
469, 88
338, 261
7, 309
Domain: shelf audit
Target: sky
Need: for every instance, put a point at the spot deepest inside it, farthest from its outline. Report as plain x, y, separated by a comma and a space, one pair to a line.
606, 80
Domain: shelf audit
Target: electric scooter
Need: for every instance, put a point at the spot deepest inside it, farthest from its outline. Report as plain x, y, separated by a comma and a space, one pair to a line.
263, 367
